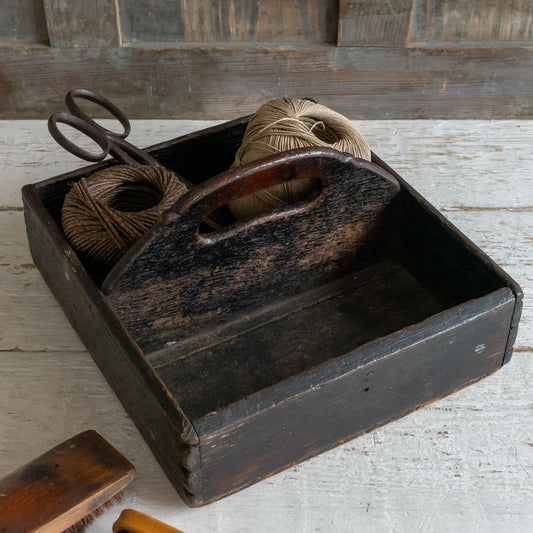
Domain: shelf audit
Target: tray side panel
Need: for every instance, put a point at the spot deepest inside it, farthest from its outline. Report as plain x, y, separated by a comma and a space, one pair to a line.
167, 431
288, 340
336, 403
454, 249
175, 283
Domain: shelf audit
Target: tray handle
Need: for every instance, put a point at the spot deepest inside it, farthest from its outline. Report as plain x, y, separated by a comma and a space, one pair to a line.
337, 172
251, 178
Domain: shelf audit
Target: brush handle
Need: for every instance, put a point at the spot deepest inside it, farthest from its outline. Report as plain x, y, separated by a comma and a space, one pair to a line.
131, 521
62, 486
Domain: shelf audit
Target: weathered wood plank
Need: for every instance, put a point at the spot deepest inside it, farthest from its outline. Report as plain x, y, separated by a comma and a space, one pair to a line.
454, 164
244, 21
31, 319
230, 81
371, 23
459, 164
464, 460
29, 154
452, 22
22, 21
82, 23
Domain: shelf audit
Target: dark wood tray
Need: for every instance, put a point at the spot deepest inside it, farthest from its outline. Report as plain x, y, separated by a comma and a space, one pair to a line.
241, 352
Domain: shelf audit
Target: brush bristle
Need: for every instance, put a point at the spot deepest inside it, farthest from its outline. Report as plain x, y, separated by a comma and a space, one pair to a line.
79, 527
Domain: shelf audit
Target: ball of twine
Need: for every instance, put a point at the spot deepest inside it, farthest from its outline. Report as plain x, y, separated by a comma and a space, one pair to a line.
285, 124
104, 214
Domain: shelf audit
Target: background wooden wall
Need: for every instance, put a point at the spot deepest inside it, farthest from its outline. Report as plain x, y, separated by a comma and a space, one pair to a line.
223, 58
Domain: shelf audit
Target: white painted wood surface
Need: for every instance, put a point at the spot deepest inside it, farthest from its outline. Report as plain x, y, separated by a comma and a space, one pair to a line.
464, 463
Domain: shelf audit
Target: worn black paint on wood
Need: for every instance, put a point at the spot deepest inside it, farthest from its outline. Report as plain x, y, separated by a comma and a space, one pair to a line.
223, 276
417, 313
162, 423
297, 335
353, 394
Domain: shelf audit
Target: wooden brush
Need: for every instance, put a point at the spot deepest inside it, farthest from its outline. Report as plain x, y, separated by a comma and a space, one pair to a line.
64, 489
131, 521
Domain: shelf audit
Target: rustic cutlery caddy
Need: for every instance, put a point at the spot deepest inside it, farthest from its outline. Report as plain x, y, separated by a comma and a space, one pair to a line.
241, 352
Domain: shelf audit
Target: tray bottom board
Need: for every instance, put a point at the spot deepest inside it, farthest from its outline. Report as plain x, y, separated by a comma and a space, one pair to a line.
294, 336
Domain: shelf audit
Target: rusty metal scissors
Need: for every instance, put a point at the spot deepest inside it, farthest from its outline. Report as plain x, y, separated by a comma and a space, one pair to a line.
109, 141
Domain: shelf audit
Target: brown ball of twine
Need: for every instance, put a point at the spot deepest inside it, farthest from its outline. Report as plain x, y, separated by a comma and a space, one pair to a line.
285, 124
104, 214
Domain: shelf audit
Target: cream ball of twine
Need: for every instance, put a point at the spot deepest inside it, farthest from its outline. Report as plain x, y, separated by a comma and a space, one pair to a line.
285, 124
105, 213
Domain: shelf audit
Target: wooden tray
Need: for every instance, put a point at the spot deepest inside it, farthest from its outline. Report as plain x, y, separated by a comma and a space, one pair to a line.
241, 352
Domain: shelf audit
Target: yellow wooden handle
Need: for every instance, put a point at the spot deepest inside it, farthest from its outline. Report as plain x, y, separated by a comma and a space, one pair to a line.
131, 521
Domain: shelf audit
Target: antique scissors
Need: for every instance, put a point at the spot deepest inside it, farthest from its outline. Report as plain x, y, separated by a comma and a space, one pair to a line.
109, 141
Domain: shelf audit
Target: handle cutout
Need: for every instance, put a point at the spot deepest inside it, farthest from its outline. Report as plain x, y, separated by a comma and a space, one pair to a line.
260, 206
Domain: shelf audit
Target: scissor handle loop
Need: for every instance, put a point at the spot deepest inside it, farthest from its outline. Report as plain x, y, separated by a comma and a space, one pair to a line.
80, 124
101, 101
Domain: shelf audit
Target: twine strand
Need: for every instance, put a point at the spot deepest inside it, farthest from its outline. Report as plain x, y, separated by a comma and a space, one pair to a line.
285, 124
104, 214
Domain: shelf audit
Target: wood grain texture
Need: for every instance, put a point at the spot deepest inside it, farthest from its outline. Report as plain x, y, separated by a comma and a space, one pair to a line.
505, 236
82, 23
170, 285
479, 201
305, 333
426, 153
21, 287
371, 23
22, 21
243, 21
455, 456
219, 82
452, 22
161, 421
465, 460
264, 260
63, 486
359, 385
